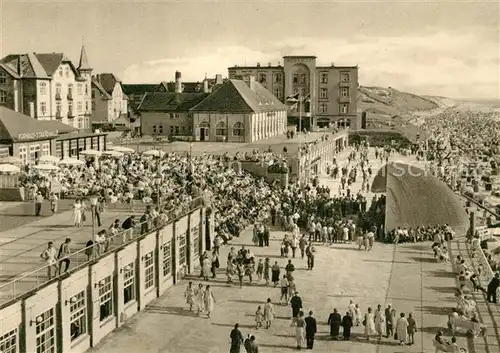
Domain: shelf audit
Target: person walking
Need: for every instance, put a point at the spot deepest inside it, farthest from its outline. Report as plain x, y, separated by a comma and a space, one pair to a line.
388, 321
493, 288
402, 329
209, 300
347, 325
38, 203
296, 304
275, 273
300, 325
334, 321
53, 202
284, 289
63, 256
49, 255
310, 256
189, 295
268, 313
412, 328
311, 329
236, 339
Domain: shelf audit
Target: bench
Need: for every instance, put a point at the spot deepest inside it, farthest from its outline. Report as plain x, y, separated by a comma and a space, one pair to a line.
462, 322
448, 348
483, 233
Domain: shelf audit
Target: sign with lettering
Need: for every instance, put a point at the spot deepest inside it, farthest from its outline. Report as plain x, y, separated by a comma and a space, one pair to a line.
23, 136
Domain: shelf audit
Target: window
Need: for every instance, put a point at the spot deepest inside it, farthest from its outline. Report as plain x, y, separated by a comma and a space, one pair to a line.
171, 129
23, 154
323, 93
323, 107
105, 298
221, 129
344, 77
70, 108
344, 108
238, 129
155, 129
3, 97
93, 93
167, 258
43, 88
86, 89
70, 91
195, 236
86, 107
60, 71
177, 130
302, 78
80, 123
160, 129
78, 317
66, 71
58, 90
295, 78
34, 151
93, 106
46, 332
79, 88
262, 77
43, 108
79, 107
324, 77
149, 270
344, 92
128, 283
45, 149
3, 81
277, 78
182, 249
8, 342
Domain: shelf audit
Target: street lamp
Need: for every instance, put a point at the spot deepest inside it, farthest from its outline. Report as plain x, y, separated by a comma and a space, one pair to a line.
158, 180
93, 204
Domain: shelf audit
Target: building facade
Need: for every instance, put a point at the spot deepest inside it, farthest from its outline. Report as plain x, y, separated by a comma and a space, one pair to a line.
327, 94
49, 87
109, 102
239, 111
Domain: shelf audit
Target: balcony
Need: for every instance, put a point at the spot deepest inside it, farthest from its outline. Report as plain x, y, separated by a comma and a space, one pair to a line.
58, 115
58, 96
345, 99
345, 84
70, 96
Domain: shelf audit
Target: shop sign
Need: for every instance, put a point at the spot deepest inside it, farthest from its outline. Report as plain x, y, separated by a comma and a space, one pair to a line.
41, 135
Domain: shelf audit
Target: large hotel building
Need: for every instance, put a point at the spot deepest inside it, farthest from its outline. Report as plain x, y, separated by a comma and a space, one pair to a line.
328, 92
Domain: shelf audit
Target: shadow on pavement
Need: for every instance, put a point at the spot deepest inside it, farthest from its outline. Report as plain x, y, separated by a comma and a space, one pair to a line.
426, 260
169, 310
445, 290
248, 301
277, 346
390, 262
232, 325
442, 274
435, 310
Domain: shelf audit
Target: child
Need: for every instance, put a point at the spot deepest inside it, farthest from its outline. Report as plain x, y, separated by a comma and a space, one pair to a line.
189, 295
258, 317
282, 249
260, 269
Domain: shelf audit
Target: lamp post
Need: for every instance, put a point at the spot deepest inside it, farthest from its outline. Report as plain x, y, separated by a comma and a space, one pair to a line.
93, 204
158, 180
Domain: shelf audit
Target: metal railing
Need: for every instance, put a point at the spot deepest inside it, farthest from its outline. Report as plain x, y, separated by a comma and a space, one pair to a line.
37, 278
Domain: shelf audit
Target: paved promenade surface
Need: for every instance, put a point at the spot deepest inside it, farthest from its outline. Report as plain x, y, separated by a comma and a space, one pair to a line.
405, 276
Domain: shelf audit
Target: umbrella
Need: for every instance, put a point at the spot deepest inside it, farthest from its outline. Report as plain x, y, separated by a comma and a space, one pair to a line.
9, 168
49, 159
45, 167
71, 161
121, 149
11, 160
115, 154
91, 153
154, 153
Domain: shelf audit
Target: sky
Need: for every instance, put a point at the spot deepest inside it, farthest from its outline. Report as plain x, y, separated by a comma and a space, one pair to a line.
445, 48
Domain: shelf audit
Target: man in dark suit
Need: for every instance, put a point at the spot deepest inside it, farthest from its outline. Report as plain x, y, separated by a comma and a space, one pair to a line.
347, 325
388, 321
311, 329
334, 320
296, 303
492, 289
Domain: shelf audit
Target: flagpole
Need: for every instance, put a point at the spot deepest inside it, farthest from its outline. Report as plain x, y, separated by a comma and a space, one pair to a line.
300, 114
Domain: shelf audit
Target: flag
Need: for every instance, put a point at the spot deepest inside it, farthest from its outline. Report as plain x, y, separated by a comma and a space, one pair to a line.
294, 106
293, 98
307, 98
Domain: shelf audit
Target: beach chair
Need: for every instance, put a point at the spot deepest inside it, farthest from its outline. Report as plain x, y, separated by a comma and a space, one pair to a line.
448, 348
475, 328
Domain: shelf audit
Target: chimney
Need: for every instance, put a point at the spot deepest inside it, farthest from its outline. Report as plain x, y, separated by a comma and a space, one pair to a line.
205, 86
332, 64
258, 64
250, 81
269, 64
279, 64
178, 82
218, 79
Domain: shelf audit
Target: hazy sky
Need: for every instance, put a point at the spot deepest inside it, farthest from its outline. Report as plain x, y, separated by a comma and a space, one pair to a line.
449, 48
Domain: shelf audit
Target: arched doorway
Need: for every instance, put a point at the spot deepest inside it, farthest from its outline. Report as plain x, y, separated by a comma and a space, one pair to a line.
204, 131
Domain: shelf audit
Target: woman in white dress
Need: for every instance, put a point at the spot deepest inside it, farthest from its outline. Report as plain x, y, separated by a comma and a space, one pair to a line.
77, 213
369, 323
205, 267
402, 329
200, 299
209, 301
379, 318
268, 313
300, 329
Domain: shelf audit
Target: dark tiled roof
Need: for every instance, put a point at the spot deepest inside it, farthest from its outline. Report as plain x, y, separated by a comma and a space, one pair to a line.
234, 96
57, 125
13, 123
170, 102
9, 71
50, 62
101, 89
108, 82
139, 88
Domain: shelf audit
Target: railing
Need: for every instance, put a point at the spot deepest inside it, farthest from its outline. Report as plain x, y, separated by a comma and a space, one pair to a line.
35, 279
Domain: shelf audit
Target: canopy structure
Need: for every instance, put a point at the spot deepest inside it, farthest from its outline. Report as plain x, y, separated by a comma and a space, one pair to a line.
414, 197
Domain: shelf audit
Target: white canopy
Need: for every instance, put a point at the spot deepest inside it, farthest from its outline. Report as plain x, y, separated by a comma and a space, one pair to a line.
49, 159
45, 167
91, 153
11, 160
121, 149
115, 154
71, 161
154, 153
9, 168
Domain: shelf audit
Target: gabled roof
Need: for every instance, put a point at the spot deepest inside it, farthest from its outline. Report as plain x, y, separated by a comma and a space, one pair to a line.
101, 89
8, 70
61, 128
14, 125
129, 89
37, 65
234, 96
170, 102
108, 81
50, 62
